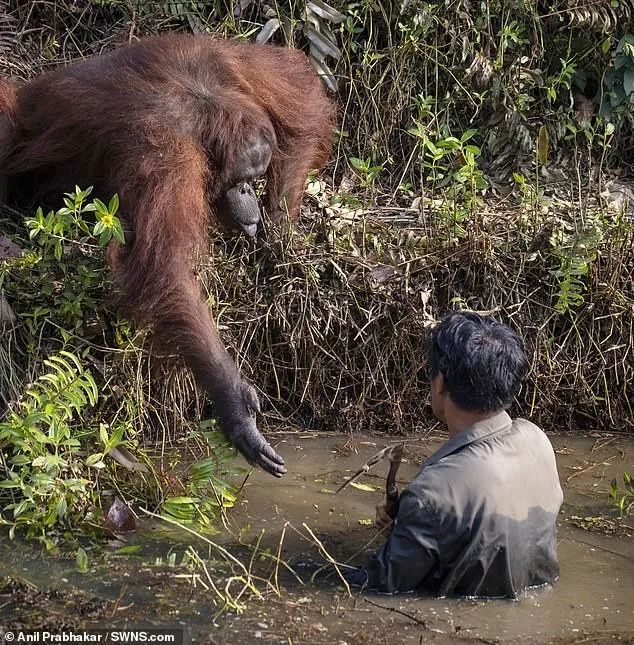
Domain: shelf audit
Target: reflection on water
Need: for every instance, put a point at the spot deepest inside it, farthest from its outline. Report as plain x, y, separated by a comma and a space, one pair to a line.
592, 600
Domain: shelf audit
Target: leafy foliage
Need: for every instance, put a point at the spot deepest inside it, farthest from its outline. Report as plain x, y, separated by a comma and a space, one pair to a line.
618, 100
207, 490
450, 164
45, 479
60, 281
623, 500
366, 170
56, 437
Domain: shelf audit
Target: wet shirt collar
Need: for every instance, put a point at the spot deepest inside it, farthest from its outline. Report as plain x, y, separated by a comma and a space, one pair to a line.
477, 431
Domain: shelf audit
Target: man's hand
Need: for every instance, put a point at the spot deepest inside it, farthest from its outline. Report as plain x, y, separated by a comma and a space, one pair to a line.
355, 577
382, 520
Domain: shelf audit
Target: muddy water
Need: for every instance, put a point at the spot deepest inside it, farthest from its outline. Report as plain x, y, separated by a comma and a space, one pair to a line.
592, 602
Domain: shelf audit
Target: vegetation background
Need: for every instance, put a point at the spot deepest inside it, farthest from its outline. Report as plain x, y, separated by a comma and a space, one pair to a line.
483, 160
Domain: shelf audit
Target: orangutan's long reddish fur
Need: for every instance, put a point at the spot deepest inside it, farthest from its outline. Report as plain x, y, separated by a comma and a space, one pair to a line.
161, 123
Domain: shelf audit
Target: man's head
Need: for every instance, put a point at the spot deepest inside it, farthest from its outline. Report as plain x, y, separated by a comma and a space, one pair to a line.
477, 363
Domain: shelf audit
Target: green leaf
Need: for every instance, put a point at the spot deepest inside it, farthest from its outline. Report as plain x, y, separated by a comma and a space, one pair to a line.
94, 459
62, 507
181, 500
81, 558
103, 434
10, 484
131, 549
431, 147
449, 143
628, 81
19, 509
102, 209
113, 206
418, 131
116, 437
625, 43
22, 460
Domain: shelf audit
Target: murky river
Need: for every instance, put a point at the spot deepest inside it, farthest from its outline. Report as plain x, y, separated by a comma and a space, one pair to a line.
298, 525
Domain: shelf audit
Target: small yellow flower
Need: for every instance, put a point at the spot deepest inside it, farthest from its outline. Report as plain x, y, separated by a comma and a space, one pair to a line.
107, 221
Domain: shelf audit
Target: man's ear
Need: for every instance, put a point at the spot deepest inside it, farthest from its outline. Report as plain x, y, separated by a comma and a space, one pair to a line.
438, 384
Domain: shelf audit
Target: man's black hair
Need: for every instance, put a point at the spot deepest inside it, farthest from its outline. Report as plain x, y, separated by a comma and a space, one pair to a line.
482, 361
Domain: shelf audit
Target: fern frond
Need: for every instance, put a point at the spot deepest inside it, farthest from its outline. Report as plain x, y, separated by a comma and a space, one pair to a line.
66, 389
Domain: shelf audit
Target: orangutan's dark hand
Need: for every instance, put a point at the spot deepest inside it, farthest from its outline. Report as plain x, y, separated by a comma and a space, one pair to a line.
246, 437
237, 417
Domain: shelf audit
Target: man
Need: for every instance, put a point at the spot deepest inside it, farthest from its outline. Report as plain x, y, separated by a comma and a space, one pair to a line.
480, 517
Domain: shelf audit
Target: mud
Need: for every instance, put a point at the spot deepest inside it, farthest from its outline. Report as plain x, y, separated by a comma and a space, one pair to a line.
592, 601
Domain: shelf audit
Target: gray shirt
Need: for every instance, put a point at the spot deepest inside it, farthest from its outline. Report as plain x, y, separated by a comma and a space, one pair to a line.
479, 518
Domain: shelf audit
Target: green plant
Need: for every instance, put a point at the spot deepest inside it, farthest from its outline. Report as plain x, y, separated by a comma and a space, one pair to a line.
60, 281
53, 443
207, 489
623, 500
576, 246
451, 165
562, 80
58, 435
44, 461
618, 98
67, 225
531, 195
366, 170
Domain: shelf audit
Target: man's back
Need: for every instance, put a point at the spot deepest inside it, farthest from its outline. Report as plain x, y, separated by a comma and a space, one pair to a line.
480, 517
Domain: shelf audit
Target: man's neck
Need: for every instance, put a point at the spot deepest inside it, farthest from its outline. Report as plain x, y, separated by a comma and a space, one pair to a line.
459, 420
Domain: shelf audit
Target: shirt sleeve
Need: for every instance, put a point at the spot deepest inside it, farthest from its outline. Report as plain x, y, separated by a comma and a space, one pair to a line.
411, 553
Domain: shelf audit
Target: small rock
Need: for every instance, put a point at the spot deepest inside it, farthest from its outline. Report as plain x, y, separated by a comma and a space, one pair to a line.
120, 518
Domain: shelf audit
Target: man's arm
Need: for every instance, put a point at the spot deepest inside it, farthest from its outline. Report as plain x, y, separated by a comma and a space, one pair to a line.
411, 552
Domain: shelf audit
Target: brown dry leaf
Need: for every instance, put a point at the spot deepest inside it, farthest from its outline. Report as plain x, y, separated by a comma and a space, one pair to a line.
9, 250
